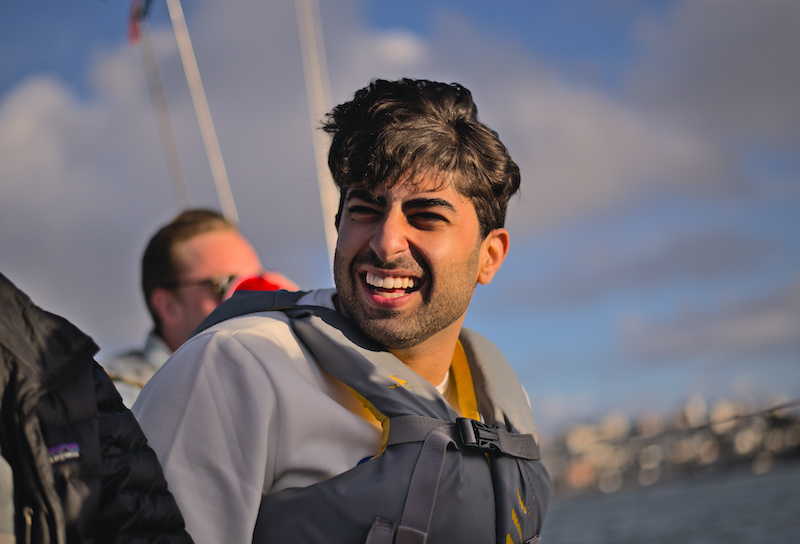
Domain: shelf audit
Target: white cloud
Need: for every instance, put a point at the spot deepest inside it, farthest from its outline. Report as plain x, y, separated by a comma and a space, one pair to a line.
728, 66
584, 153
400, 49
736, 329
34, 140
606, 264
75, 196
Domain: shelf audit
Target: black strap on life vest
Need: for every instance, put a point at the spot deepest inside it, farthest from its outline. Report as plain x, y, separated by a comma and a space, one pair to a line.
437, 435
466, 433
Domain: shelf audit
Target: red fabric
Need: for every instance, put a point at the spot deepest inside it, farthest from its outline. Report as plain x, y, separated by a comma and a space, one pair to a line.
269, 281
134, 33
257, 284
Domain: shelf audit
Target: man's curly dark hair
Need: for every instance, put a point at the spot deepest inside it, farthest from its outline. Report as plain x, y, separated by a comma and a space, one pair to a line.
415, 130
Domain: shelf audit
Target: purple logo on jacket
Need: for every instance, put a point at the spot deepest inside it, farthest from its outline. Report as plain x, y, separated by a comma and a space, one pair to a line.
63, 452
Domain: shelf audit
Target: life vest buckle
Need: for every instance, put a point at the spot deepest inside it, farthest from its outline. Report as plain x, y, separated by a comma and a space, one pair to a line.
476, 435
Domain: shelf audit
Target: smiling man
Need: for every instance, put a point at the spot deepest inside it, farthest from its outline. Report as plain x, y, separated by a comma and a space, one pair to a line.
366, 413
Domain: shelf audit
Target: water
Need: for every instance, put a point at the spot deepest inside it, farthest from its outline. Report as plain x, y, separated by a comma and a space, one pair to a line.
737, 507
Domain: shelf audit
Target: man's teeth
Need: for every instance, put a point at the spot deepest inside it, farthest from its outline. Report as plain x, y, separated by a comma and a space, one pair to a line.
389, 282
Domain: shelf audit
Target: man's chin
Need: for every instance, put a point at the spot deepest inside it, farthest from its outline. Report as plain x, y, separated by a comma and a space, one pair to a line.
387, 330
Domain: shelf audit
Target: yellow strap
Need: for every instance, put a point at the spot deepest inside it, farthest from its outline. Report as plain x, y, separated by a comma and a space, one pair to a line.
464, 387
462, 396
375, 417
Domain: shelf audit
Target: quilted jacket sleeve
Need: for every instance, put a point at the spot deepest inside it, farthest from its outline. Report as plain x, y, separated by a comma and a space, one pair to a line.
136, 505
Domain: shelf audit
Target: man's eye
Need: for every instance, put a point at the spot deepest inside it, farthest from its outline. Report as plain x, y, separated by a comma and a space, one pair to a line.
362, 211
427, 218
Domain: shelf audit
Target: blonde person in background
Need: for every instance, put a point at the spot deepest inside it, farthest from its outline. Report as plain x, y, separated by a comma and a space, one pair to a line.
188, 268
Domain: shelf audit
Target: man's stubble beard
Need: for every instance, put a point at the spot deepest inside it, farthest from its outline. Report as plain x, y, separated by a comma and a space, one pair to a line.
445, 300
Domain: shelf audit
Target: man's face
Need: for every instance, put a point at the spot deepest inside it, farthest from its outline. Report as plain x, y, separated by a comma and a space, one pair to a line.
407, 261
207, 256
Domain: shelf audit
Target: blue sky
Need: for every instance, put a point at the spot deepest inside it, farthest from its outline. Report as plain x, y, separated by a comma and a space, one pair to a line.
655, 248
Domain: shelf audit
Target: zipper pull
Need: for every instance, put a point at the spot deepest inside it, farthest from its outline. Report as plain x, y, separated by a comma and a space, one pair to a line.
27, 514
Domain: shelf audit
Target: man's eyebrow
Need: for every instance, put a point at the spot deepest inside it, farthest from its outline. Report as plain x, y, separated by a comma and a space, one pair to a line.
414, 203
366, 196
423, 202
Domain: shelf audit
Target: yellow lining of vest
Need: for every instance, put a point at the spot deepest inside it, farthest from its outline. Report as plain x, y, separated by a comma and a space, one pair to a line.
379, 416
463, 386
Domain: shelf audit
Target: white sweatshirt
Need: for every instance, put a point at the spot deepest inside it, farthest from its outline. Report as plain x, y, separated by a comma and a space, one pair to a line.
241, 410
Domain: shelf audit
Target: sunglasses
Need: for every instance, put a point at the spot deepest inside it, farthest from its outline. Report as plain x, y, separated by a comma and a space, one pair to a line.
219, 285
224, 286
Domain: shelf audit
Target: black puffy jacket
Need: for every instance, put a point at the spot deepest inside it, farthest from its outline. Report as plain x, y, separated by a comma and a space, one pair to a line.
82, 469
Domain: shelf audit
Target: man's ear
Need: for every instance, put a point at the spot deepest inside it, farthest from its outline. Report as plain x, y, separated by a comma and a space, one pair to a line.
166, 306
493, 251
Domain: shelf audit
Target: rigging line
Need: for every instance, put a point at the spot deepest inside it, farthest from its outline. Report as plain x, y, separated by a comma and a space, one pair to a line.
166, 131
202, 111
765, 411
742, 417
709, 426
318, 96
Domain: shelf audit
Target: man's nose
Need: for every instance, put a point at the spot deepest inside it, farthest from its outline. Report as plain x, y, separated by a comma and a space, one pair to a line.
390, 236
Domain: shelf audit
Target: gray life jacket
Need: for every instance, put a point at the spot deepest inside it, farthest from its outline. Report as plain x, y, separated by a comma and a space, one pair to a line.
441, 478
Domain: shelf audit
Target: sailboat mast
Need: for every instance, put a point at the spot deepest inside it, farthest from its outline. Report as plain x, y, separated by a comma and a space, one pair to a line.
157, 94
202, 111
318, 94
